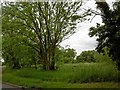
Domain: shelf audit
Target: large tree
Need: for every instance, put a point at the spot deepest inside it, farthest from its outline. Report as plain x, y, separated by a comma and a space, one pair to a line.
43, 25
109, 33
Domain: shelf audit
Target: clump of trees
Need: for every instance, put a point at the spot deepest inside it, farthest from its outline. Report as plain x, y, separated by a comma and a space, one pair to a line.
93, 56
109, 33
39, 26
86, 56
32, 32
65, 55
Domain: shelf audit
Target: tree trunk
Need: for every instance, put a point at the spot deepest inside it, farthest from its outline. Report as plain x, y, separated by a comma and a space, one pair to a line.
52, 66
16, 64
44, 67
48, 64
118, 65
34, 60
47, 58
44, 63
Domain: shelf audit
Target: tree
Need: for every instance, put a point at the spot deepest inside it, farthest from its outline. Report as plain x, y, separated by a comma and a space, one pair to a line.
45, 24
109, 33
103, 57
8, 51
86, 56
16, 54
69, 55
65, 55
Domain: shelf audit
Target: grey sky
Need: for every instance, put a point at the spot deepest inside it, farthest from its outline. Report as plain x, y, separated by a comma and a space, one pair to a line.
80, 41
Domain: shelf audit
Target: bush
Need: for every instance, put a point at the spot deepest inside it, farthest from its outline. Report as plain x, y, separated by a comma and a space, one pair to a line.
86, 56
72, 73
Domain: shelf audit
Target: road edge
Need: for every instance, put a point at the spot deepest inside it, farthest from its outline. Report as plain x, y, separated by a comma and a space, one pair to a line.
11, 84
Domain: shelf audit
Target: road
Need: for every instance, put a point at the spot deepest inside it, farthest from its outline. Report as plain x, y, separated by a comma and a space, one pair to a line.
7, 86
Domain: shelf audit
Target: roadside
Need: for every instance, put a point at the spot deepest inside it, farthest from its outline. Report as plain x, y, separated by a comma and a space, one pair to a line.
7, 86
11, 86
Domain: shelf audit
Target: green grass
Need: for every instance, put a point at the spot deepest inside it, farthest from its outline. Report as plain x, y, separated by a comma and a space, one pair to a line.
82, 75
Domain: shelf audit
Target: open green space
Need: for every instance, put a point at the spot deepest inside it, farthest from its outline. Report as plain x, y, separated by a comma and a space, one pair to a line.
32, 54
80, 75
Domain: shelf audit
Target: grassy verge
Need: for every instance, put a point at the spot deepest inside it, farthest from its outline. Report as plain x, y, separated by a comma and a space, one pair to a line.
68, 76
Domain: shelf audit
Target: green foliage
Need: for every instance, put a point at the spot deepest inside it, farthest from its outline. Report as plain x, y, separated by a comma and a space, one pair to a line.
40, 25
100, 57
0, 44
65, 55
94, 56
86, 56
68, 73
37, 83
15, 53
109, 33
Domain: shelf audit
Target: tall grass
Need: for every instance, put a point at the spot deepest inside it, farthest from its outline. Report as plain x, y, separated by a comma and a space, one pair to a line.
73, 73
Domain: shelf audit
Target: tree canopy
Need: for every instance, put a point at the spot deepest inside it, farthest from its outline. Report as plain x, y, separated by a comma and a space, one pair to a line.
41, 26
109, 33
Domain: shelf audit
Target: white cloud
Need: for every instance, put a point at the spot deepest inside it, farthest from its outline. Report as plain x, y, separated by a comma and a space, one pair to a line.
81, 41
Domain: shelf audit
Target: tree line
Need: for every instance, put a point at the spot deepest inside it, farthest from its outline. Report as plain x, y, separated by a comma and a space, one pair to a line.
109, 33
39, 26
32, 32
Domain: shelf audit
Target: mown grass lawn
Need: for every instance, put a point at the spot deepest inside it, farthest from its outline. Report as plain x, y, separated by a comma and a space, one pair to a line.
82, 75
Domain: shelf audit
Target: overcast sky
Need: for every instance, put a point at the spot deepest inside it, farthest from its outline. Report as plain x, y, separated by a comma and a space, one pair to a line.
80, 41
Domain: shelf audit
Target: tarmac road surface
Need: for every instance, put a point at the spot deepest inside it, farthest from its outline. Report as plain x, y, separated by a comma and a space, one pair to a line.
10, 87
7, 86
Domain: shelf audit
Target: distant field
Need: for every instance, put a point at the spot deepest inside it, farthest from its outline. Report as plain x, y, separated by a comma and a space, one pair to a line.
82, 75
